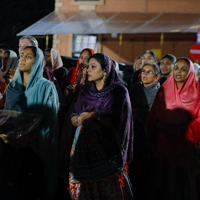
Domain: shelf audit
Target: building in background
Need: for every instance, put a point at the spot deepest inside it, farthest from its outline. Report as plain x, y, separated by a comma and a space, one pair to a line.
123, 29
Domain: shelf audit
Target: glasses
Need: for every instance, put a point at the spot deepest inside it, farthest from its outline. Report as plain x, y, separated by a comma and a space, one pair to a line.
148, 72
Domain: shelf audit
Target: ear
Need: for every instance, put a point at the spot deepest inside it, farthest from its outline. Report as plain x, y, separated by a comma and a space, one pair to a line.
157, 78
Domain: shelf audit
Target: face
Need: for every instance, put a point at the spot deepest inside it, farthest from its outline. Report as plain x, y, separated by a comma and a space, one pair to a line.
23, 43
94, 71
138, 64
27, 59
83, 59
180, 71
166, 66
47, 56
5, 59
1, 53
148, 75
147, 58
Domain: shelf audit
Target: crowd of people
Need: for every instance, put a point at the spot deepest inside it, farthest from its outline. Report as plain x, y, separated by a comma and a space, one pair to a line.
99, 137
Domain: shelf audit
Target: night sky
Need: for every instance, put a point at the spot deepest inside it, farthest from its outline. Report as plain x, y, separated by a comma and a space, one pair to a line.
16, 15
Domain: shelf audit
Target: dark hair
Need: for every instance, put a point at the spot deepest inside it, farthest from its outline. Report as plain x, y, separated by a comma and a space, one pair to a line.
153, 54
33, 41
7, 51
48, 49
169, 56
4, 47
100, 58
33, 49
88, 51
155, 66
185, 59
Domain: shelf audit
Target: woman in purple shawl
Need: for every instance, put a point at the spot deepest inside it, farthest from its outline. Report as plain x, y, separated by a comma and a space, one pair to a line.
103, 142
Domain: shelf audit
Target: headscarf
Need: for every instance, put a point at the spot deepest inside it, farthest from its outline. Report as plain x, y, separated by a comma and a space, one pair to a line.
55, 60
39, 97
11, 64
196, 68
112, 100
73, 72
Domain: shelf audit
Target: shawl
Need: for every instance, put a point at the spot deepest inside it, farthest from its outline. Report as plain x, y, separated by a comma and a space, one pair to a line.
112, 100
150, 92
39, 97
55, 60
196, 68
12, 64
73, 72
174, 109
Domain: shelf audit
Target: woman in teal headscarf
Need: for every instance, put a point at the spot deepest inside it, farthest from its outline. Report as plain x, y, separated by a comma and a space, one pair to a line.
29, 92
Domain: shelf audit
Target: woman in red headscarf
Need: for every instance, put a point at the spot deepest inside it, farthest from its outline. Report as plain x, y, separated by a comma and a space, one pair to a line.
70, 88
175, 108
75, 73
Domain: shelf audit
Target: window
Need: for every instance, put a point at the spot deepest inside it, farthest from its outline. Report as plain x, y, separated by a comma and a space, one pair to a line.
87, 2
81, 42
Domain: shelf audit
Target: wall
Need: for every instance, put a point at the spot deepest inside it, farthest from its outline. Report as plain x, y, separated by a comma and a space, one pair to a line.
134, 44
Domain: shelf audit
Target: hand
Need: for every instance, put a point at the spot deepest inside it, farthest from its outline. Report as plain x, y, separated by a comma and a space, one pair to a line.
70, 89
87, 117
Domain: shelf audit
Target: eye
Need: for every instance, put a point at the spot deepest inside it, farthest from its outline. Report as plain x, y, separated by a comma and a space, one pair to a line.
29, 57
93, 66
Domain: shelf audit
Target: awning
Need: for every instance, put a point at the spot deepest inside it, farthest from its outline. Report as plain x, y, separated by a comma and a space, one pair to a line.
95, 22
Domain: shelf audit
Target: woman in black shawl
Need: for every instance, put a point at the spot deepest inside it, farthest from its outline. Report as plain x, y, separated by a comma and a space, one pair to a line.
142, 96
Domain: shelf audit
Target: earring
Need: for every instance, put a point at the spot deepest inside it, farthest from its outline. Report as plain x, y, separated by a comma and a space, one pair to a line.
104, 77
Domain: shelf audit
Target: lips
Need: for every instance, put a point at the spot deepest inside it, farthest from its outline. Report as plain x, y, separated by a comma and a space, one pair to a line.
178, 76
22, 64
145, 78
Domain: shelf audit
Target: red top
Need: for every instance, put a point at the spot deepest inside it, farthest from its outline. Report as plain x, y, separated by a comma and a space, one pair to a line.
72, 74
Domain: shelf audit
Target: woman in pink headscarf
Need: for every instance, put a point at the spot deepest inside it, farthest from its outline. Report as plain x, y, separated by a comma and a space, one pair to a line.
173, 127
54, 63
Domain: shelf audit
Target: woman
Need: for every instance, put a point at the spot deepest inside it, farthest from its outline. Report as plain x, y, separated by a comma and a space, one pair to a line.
166, 65
104, 133
70, 94
147, 57
176, 106
142, 96
30, 174
54, 63
137, 64
76, 72
7, 71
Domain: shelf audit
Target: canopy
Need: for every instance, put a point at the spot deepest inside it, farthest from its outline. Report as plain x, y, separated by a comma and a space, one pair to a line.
96, 22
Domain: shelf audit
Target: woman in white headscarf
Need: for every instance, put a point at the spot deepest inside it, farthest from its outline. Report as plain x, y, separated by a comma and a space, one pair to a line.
9, 66
54, 63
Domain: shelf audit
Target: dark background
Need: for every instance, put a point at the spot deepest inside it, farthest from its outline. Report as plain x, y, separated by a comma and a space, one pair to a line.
16, 15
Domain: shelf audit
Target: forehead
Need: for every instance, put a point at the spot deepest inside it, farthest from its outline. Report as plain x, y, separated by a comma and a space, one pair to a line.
166, 60
25, 41
139, 59
28, 51
93, 60
148, 67
182, 63
147, 55
47, 53
5, 54
85, 53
